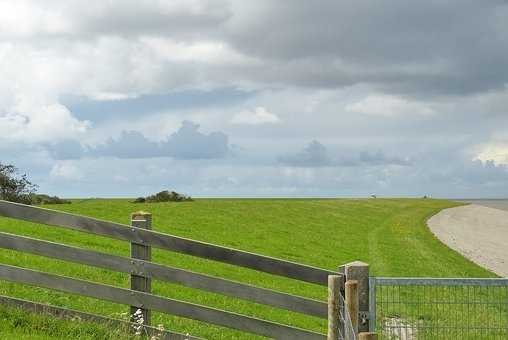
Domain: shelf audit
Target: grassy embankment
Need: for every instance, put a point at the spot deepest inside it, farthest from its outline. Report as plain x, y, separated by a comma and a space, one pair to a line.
389, 234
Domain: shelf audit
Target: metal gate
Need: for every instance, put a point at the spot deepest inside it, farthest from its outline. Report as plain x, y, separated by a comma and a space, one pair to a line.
422, 308
346, 329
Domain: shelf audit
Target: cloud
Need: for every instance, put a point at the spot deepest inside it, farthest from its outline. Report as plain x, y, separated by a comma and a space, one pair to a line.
130, 144
30, 19
78, 18
186, 143
388, 106
66, 171
418, 49
459, 177
98, 85
189, 143
259, 116
316, 154
496, 152
150, 47
25, 122
65, 149
379, 158
313, 154
111, 96
180, 18
174, 101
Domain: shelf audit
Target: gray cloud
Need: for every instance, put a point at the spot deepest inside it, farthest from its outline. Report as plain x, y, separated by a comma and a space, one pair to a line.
379, 158
84, 108
189, 143
313, 154
186, 143
428, 47
316, 154
180, 20
130, 144
65, 150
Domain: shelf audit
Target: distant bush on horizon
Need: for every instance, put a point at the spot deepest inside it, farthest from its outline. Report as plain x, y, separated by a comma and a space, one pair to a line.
46, 199
164, 196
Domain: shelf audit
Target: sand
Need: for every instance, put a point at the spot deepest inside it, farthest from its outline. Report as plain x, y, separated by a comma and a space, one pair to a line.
477, 232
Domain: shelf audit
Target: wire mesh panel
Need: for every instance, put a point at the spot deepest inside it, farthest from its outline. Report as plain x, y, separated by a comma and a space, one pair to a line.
406, 308
346, 330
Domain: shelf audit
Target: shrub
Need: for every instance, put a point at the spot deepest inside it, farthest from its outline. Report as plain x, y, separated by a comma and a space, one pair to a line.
164, 196
46, 199
15, 187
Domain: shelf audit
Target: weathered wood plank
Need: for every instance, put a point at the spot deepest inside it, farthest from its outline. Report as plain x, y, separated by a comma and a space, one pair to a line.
140, 282
334, 326
65, 313
165, 305
169, 242
186, 278
351, 302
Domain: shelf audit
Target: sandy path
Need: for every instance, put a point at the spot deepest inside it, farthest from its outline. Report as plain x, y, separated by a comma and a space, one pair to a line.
477, 232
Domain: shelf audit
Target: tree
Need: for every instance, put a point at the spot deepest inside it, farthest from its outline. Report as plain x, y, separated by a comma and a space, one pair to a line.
15, 187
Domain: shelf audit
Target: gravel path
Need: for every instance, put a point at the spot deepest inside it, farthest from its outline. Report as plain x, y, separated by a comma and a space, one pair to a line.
478, 232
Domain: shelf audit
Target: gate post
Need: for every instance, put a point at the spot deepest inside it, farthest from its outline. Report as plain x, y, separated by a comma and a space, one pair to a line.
351, 301
334, 298
139, 281
359, 271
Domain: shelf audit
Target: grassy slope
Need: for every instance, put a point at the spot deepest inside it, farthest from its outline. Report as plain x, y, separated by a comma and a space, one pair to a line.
390, 235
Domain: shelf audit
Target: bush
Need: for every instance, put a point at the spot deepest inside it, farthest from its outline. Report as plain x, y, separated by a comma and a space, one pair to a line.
164, 196
15, 187
46, 199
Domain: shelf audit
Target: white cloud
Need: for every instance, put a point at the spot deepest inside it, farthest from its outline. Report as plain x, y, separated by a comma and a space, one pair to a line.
388, 105
111, 96
66, 171
259, 116
208, 52
51, 122
24, 18
497, 152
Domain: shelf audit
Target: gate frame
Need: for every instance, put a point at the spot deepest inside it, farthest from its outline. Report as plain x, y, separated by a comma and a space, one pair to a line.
424, 281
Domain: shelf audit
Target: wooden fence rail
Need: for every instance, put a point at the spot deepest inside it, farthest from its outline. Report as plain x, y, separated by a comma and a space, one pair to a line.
164, 273
143, 270
169, 242
157, 303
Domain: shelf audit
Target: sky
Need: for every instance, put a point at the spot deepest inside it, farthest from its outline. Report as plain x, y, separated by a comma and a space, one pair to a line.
257, 98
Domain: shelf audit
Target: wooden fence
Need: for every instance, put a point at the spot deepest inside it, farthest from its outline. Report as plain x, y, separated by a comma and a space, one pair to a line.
142, 271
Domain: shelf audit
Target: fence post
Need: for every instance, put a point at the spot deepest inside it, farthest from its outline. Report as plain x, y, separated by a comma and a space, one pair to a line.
359, 271
334, 285
351, 301
367, 336
139, 282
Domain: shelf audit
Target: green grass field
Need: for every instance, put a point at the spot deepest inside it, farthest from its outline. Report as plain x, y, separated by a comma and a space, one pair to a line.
20, 325
389, 234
